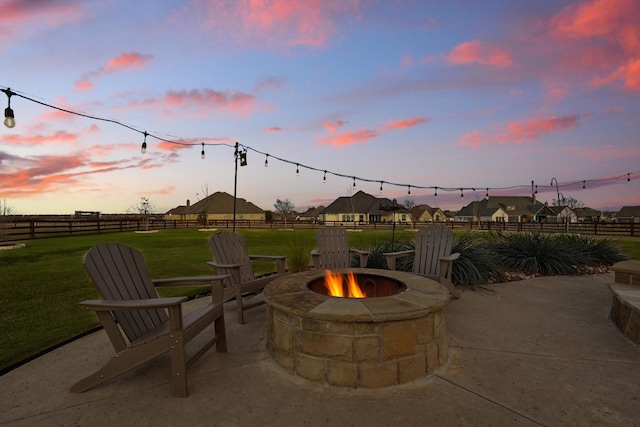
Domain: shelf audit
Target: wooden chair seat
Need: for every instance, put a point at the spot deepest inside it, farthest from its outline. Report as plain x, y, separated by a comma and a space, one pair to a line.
142, 326
432, 256
333, 250
231, 258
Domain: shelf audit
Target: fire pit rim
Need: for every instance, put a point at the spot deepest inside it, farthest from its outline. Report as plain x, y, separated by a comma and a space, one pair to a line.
289, 293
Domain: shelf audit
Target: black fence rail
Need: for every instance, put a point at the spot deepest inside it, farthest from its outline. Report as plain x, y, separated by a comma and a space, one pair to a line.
27, 229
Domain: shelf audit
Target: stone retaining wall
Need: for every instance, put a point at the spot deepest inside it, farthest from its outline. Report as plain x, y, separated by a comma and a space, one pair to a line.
625, 306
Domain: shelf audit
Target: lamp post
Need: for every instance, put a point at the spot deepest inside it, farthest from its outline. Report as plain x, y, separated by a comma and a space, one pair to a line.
242, 156
557, 191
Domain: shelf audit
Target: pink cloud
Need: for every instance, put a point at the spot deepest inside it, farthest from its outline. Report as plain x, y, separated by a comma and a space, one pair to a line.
17, 14
404, 124
276, 23
55, 138
273, 129
555, 95
479, 52
519, 132
130, 60
612, 111
406, 62
235, 101
333, 126
609, 31
348, 138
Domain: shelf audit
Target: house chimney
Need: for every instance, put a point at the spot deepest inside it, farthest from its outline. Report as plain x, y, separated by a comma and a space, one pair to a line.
533, 193
188, 202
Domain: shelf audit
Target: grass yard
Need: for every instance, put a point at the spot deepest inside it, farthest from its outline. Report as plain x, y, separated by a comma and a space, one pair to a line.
42, 284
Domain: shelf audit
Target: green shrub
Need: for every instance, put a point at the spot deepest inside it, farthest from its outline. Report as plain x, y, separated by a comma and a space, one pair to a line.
376, 250
476, 265
298, 255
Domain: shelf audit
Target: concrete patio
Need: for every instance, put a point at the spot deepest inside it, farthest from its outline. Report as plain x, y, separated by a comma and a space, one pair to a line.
536, 352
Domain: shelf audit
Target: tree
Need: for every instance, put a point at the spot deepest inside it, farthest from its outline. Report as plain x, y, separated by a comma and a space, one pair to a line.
144, 209
5, 212
408, 203
570, 202
284, 207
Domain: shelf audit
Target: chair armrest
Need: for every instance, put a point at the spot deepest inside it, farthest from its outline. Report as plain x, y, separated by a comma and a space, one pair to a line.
188, 281
391, 257
278, 259
451, 257
359, 252
215, 264
102, 305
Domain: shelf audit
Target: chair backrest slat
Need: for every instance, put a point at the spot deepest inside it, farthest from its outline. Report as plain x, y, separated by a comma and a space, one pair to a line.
333, 245
231, 248
119, 272
432, 243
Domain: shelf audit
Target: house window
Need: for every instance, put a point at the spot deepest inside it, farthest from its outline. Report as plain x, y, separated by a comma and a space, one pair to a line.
511, 208
403, 217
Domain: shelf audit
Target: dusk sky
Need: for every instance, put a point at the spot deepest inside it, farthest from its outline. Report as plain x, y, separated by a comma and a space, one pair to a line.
425, 94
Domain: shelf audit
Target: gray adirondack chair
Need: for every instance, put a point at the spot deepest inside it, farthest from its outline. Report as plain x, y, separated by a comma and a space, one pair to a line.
432, 255
333, 250
232, 259
141, 325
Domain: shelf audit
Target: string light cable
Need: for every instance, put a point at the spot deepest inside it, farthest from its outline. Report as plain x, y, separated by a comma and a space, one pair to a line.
243, 149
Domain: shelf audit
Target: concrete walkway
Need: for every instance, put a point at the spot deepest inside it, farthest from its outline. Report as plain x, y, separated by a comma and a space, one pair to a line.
536, 352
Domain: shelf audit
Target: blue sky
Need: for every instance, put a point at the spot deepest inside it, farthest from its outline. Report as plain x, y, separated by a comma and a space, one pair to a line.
454, 95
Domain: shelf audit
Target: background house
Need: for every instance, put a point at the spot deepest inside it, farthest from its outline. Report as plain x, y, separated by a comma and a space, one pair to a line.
425, 213
505, 209
562, 214
628, 214
364, 208
587, 214
311, 214
218, 206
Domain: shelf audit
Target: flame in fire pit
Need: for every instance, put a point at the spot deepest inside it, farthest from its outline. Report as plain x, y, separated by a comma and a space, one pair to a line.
334, 282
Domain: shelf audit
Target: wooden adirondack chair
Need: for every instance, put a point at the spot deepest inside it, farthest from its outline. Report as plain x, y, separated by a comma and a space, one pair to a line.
136, 320
432, 255
232, 259
333, 250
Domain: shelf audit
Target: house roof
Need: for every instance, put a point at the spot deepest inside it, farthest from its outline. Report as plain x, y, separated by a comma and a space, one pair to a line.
586, 212
312, 212
511, 205
629, 211
361, 202
218, 203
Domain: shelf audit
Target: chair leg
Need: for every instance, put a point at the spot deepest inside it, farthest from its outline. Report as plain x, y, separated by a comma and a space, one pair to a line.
221, 333
452, 289
239, 304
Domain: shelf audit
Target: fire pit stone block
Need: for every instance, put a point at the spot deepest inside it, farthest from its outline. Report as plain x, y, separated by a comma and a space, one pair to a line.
357, 343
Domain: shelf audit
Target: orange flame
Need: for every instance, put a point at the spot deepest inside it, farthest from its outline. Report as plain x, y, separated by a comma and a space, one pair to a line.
334, 284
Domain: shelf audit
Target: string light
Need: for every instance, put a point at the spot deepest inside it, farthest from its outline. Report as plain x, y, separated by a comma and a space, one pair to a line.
202, 152
9, 118
409, 190
143, 149
266, 161
354, 182
486, 196
324, 178
381, 186
584, 185
10, 122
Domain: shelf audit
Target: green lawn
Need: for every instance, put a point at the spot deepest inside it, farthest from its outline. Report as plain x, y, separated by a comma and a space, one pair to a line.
42, 284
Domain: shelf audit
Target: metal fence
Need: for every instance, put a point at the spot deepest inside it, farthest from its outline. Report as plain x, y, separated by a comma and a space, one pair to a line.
27, 229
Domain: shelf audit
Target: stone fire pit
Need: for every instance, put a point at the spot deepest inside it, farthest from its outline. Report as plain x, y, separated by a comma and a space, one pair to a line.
370, 342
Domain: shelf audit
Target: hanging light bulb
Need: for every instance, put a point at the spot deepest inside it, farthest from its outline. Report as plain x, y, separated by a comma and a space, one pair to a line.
486, 196
143, 149
266, 161
297, 169
536, 192
436, 193
584, 184
202, 152
243, 158
409, 190
324, 178
461, 193
628, 177
9, 118
381, 186
354, 182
